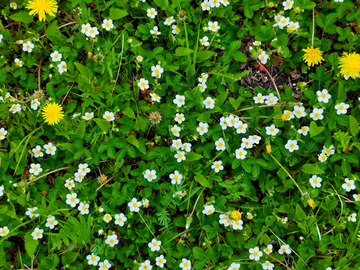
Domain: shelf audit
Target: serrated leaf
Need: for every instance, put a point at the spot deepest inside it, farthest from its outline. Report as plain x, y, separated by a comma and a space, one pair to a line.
80, 130
84, 70
203, 55
311, 169
103, 124
234, 46
30, 244
354, 126
116, 13
181, 51
202, 180
129, 112
22, 16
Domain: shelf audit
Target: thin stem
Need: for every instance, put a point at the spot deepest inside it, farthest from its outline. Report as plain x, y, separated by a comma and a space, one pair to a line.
63, 168
335, 83
313, 30
117, 76
262, 106
272, 79
211, 40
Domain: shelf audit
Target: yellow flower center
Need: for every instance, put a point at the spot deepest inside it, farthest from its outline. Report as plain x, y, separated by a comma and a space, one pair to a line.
120, 219
283, 249
37, 234
150, 175
180, 155
151, 12
217, 165
72, 199
155, 244
35, 169
255, 253
112, 241
143, 84
186, 264
108, 117
176, 177
107, 24
292, 145
348, 184
315, 181
341, 107
51, 222
213, 26
303, 129
135, 205
177, 29
221, 144
208, 102
209, 211
93, 258
84, 208
3, 231
160, 261
272, 130
317, 115
157, 70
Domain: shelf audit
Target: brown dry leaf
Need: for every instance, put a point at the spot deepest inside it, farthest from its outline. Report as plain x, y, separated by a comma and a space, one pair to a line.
295, 74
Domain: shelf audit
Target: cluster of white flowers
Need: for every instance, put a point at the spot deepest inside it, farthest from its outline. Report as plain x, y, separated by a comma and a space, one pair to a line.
89, 31
270, 99
207, 5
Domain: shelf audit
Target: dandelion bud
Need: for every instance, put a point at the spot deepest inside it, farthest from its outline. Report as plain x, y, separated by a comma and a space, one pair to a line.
268, 148
236, 215
188, 222
89, 55
19, 42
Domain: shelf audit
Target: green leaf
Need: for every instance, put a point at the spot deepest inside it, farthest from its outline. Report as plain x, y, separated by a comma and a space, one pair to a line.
181, 51
132, 139
84, 70
203, 55
129, 112
234, 46
306, 4
30, 244
204, 117
314, 129
103, 124
80, 130
116, 13
163, 4
235, 103
22, 16
202, 180
300, 214
354, 126
311, 169
250, 6
193, 156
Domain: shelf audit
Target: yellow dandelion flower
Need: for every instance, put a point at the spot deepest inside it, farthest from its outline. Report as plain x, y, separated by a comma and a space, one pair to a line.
350, 65
312, 56
53, 113
236, 215
286, 116
42, 7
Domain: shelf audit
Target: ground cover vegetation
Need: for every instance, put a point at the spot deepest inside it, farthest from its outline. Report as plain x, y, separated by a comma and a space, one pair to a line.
179, 134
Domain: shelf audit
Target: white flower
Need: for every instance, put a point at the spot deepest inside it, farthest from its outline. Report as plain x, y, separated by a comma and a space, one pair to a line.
288, 4
120, 219
263, 57
18, 62
249, 215
203, 78
178, 193
134, 205
202, 87
175, 177
37, 150
213, 26
154, 245
292, 26
35, 169
205, 42
88, 116
223, 123
220, 144
259, 98
180, 156
155, 31
209, 103
185, 264
56, 56
299, 111
30, 212
208, 210
202, 128
257, 43
356, 197
37, 233
150, 175
291, 145
240, 153
352, 217
214, 3
175, 29
145, 265
85, 28
328, 151
160, 261
169, 20
151, 12
255, 139
15, 108
176, 131
303, 130
317, 114
13, 5
271, 100
223, 219
157, 71
4, 231
104, 265
234, 266
342, 108
51, 222
348, 185
284, 249
283, 22
112, 240
34, 104
72, 199
240, 127
93, 259
323, 157
92, 32
205, 5
177, 144
83, 208
268, 265
1, 190
237, 224
179, 118
155, 97
232, 120
247, 143
272, 130
255, 254
139, 58
179, 100
28, 46
145, 203
143, 84
289, 115
83, 168
69, 183
107, 24
323, 96
284, 220
217, 166
109, 116
62, 67
75, 115
79, 176
268, 249
107, 218
50, 148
